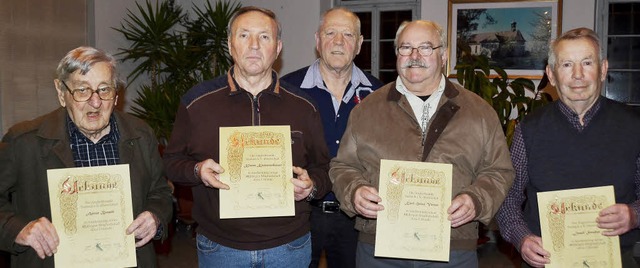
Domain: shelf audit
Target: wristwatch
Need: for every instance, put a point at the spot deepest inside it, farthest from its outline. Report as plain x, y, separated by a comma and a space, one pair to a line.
312, 194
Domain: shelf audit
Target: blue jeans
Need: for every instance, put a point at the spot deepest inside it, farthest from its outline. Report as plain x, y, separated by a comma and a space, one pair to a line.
296, 253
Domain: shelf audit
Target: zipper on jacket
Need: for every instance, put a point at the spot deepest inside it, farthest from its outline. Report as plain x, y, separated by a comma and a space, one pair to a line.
256, 110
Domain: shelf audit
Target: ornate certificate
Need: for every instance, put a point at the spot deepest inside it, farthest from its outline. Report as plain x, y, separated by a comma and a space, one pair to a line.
414, 224
91, 209
258, 169
569, 229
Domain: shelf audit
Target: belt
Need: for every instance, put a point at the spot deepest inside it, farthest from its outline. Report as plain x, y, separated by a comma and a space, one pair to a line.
327, 206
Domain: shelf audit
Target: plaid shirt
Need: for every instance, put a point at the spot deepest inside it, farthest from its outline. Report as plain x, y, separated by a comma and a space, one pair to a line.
510, 214
88, 154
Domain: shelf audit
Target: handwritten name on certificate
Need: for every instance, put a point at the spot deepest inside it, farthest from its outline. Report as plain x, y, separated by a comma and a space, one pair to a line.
258, 169
414, 224
91, 209
569, 229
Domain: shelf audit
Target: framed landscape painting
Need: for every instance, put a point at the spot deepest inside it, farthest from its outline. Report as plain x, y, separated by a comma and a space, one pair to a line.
514, 35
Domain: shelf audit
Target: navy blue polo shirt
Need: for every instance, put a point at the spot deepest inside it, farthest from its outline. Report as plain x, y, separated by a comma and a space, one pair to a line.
334, 115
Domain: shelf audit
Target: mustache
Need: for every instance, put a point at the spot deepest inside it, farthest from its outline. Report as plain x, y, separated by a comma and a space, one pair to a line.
415, 63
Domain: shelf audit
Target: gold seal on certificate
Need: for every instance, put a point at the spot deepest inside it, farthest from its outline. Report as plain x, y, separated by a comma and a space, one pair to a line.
414, 224
91, 209
258, 168
569, 229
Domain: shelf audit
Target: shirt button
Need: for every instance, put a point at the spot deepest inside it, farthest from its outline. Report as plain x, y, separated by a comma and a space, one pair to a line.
337, 141
338, 115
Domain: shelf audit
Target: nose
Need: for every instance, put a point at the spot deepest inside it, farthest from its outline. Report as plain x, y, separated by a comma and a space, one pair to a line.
577, 71
415, 54
254, 42
338, 39
95, 100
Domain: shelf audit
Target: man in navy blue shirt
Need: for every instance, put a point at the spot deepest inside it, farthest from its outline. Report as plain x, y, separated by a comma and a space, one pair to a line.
336, 85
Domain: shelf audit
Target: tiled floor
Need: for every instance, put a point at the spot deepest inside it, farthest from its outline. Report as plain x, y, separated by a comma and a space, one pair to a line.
493, 254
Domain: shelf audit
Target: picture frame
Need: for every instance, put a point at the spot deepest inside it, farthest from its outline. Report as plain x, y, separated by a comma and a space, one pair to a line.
513, 34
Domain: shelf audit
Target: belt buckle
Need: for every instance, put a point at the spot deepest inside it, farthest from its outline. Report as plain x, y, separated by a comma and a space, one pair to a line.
330, 206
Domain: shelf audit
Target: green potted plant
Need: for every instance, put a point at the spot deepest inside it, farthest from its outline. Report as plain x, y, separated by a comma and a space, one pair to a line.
175, 52
474, 72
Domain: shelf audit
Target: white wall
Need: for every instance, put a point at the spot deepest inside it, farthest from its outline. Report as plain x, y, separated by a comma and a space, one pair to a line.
108, 15
299, 19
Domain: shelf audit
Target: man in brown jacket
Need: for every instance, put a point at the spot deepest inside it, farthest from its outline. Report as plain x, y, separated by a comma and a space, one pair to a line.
86, 131
423, 117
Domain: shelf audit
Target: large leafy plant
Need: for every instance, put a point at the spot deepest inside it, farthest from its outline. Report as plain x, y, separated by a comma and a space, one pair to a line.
175, 52
474, 72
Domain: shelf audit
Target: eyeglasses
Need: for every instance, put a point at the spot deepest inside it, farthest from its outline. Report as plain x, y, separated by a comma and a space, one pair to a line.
84, 94
423, 50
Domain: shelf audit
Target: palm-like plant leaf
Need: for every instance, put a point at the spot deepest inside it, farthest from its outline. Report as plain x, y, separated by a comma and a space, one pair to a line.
174, 59
151, 36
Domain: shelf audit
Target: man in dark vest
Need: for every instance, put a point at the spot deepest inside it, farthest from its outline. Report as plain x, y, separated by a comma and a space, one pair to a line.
582, 140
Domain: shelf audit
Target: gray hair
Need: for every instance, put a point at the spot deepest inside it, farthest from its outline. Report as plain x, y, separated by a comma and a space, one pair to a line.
442, 35
83, 58
344, 9
578, 33
248, 9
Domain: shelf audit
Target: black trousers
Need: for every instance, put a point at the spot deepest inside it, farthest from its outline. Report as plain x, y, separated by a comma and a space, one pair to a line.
335, 234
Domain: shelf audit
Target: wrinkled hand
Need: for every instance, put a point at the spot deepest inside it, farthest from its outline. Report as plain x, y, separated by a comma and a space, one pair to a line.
41, 236
302, 184
144, 227
533, 253
617, 219
461, 211
366, 201
210, 174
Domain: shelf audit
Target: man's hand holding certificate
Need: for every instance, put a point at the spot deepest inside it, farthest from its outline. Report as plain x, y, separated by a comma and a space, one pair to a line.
569, 229
91, 209
416, 196
258, 168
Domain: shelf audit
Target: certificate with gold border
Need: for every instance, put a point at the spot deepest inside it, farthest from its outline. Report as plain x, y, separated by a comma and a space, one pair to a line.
258, 169
91, 209
569, 229
414, 224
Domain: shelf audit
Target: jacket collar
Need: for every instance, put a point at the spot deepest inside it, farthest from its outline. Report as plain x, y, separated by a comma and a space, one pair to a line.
273, 89
450, 92
447, 108
54, 131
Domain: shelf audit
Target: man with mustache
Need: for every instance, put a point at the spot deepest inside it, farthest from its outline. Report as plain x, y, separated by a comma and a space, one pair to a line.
337, 85
423, 117
581, 140
250, 94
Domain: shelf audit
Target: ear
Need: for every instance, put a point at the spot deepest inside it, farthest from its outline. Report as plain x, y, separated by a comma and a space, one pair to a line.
444, 58
59, 86
552, 78
318, 45
603, 70
360, 40
279, 48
